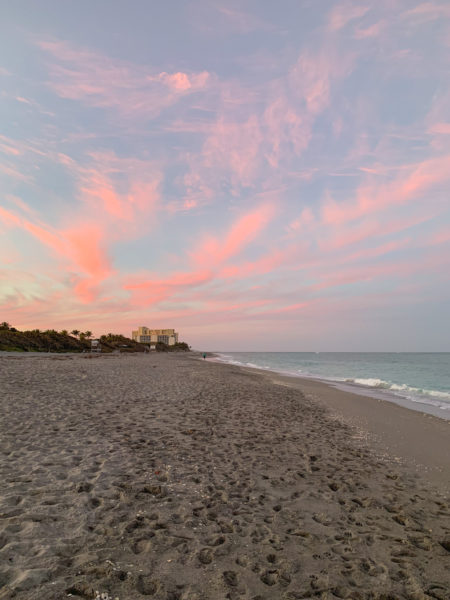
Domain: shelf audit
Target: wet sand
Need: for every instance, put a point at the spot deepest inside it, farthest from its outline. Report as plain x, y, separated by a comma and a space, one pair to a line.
169, 477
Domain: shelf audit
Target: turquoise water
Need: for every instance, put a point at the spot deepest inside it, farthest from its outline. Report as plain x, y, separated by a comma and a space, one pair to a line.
420, 381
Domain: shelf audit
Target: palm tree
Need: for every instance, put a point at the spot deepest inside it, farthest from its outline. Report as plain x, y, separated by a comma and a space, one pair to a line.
75, 332
5, 325
88, 334
64, 332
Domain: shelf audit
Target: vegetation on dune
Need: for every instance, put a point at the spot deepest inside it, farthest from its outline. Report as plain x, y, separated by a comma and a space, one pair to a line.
40, 341
12, 340
112, 342
178, 347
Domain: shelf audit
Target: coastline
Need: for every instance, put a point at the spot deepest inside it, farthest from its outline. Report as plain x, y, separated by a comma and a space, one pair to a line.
398, 434
171, 477
372, 384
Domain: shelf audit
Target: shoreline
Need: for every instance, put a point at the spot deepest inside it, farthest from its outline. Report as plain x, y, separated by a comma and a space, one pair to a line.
418, 440
352, 388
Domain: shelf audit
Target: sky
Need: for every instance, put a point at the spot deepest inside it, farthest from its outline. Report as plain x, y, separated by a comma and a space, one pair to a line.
258, 175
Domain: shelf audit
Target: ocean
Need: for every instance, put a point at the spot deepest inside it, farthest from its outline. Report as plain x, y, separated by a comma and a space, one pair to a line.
420, 381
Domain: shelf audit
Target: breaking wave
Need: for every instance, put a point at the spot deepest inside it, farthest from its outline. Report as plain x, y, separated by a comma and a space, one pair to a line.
412, 393
280, 364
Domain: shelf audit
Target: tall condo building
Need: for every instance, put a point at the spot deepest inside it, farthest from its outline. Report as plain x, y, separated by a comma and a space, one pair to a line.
152, 336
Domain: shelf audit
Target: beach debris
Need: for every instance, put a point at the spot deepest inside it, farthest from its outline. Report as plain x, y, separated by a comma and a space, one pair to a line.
104, 596
154, 490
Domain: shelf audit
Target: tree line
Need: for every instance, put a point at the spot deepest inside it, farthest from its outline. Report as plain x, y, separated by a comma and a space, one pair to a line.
81, 335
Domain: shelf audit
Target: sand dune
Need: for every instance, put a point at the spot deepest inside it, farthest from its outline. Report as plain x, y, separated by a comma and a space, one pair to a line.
169, 477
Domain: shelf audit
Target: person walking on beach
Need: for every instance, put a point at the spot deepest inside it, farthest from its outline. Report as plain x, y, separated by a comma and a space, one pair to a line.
204, 355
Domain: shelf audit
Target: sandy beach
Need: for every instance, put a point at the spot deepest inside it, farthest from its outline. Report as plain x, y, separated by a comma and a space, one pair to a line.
170, 477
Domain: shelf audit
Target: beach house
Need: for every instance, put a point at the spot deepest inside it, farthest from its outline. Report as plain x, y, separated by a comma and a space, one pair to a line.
144, 335
96, 346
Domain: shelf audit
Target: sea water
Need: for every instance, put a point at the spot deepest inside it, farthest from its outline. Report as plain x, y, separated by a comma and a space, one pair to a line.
419, 381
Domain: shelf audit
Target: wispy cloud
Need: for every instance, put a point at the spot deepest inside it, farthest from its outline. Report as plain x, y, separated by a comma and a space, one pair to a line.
428, 11
98, 81
345, 13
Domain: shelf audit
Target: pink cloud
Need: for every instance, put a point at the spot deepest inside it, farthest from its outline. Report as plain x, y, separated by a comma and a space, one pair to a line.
213, 251
235, 146
98, 188
9, 218
243, 22
257, 134
23, 206
369, 32
370, 253
305, 220
181, 82
374, 198
217, 20
24, 100
289, 309
148, 291
341, 274
100, 81
118, 198
46, 237
14, 173
87, 251
370, 229
8, 149
310, 79
286, 129
313, 75
80, 247
197, 192
269, 262
271, 129
124, 193
86, 247
440, 128
344, 13
428, 11
439, 237
206, 258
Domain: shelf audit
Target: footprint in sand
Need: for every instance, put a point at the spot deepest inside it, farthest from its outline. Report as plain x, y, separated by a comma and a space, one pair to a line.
205, 556
270, 577
146, 585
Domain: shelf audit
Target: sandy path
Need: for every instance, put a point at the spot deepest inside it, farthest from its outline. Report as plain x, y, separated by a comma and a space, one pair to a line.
177, 479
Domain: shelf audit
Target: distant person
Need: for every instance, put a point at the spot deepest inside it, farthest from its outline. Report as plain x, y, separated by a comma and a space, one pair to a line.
204, 355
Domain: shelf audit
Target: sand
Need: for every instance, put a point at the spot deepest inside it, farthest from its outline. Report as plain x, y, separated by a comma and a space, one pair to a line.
169, 477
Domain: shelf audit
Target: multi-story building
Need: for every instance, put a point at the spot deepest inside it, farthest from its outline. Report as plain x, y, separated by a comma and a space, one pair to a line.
152, 336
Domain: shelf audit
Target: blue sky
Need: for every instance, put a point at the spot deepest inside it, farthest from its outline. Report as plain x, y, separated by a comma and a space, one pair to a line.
259, 176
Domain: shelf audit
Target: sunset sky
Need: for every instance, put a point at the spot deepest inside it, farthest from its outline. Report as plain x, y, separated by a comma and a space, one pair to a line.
259, 175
